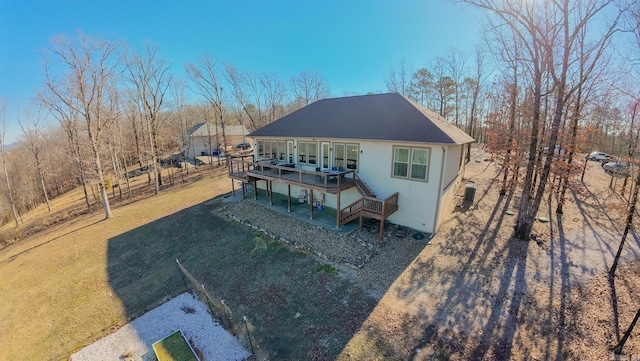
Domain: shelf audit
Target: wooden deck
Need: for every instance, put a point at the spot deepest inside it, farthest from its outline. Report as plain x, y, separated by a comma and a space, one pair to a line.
250, 171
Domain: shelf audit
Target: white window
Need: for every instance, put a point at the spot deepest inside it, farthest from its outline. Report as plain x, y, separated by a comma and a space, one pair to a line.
345, 156
411, 163
308, 153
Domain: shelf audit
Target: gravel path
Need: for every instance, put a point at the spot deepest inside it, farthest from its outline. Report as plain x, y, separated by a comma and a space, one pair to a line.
185, 312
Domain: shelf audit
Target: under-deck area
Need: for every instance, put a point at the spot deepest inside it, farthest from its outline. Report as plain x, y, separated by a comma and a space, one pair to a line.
324, 218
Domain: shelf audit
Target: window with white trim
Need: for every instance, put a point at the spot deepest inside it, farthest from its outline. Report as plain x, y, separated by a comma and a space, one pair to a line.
272, 149
308, 153
411, 163
345, 156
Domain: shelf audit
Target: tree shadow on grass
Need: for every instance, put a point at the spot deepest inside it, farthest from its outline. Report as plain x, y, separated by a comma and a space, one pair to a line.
297, 305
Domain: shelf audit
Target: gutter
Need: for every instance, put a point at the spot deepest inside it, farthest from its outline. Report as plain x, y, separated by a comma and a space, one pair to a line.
437, 218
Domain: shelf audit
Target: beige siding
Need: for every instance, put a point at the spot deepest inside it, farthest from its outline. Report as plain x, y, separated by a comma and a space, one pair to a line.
418, 201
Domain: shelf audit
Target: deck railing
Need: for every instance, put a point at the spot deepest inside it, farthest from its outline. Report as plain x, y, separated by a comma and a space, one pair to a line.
276, 169
239, 165
372, 207
351, 211
382, 207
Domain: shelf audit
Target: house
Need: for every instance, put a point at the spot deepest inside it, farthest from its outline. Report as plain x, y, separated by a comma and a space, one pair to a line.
206, 138
379, 156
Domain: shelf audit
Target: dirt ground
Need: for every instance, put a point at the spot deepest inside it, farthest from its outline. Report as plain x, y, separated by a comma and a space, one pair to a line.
477, 294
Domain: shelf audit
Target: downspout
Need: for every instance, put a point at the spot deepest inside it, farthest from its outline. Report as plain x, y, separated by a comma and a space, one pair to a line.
439, 200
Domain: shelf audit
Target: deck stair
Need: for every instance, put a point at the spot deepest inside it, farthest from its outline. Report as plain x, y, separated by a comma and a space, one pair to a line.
369, 206
364, 190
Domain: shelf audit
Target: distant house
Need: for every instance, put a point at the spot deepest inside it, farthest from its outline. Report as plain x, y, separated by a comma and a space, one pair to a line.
379, 156
201, 139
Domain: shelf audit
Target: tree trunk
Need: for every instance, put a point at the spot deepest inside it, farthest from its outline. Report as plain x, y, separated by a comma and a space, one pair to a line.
572, 145
103, 190
629, 223
9, 193
153, 159
44, 188
524, 222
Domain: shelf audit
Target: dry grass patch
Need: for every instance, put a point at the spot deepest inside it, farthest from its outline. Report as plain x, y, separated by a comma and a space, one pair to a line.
56, 292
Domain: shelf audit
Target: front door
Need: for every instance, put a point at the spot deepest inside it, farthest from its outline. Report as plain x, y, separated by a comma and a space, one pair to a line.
324, 155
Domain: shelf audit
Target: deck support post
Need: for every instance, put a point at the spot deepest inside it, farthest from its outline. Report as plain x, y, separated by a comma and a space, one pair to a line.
244, 187
289, 198
338, 210
255, 188
270, 186
233, 188
311, 204
360, 223
381, 229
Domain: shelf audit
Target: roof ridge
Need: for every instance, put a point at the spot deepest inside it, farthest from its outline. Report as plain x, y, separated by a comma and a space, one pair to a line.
442, 123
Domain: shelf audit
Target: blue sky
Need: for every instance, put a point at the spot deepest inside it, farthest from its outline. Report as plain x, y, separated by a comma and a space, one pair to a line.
352, 43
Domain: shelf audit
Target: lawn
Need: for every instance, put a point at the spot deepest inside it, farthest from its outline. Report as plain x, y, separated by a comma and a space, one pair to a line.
73, 284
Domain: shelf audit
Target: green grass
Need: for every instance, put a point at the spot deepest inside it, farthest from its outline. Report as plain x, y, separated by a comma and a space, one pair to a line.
77, 282
174, 348
326, 268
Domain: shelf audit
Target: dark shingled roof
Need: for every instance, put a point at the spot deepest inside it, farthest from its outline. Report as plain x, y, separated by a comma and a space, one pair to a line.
390, 117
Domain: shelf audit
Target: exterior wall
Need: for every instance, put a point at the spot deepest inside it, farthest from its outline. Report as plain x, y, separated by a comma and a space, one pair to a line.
452, 178
201, 144
453, 164
420, 203
416, 200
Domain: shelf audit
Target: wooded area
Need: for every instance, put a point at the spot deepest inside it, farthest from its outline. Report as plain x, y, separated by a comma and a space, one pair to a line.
554, 81
107, 109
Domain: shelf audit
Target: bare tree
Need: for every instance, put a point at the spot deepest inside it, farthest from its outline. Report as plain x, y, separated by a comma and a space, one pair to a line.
399, 79
68, 118
275, 92
455, 62
207, 83
33, 132
257, 94
627, 228
443, 87
179, 98
85, 85
151, 76
239, 83
549, 33
308, 87
476, 86
4, 163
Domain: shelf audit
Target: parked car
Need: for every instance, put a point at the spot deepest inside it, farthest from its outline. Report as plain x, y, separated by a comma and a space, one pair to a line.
243, 146
599, 156
607, 159
615, 167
